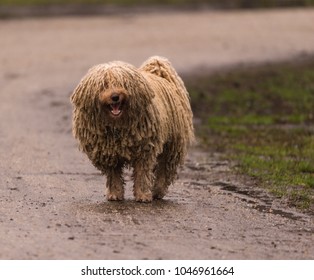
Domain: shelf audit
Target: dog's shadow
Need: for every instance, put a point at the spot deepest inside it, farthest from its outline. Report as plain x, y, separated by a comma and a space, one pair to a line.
129, 206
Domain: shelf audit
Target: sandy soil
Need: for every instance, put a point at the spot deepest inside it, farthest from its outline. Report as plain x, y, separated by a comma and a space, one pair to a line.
52, 199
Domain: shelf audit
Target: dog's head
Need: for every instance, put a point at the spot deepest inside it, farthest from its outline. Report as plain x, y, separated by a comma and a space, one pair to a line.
114, 92
126, 93
114, 101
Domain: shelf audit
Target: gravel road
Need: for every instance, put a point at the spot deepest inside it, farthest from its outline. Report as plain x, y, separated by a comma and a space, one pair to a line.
52, 199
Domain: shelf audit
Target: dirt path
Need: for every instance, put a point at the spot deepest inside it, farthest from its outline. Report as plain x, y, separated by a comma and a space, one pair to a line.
51, 198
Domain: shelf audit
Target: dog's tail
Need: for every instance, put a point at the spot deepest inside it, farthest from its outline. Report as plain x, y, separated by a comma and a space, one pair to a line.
161, 67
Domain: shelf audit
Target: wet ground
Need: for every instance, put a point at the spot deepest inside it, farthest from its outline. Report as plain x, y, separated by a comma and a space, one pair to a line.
52, 199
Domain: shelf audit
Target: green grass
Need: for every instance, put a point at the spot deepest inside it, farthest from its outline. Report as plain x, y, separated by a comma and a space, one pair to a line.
111, 2
216, 3
262, 119
115, 2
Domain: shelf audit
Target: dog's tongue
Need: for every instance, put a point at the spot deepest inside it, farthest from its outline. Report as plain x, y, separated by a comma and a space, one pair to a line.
115, 109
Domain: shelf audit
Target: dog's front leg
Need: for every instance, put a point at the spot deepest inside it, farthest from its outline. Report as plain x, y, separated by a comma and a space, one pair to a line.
115, 184
143, 181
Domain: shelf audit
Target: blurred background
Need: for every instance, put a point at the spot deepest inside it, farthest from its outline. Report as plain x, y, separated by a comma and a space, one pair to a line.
249, 69
11, 8
211, 3
248, 66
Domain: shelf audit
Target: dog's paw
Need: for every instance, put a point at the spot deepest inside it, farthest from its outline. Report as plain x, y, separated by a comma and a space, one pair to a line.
159, 192
144, 197
114, 197
158, 196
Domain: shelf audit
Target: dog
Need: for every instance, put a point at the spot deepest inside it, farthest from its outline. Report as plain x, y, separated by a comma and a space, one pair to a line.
125, 116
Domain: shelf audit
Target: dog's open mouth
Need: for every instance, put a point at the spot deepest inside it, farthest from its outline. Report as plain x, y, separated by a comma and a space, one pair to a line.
116, 109
114, 101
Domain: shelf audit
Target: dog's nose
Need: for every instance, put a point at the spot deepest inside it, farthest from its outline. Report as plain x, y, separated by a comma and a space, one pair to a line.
115, 97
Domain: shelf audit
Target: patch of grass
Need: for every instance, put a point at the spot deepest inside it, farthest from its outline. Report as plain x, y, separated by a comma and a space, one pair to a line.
262, 118
215, 3
109, 2
281, 165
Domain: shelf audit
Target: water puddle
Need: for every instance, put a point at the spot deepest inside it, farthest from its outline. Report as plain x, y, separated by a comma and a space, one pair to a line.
262, 202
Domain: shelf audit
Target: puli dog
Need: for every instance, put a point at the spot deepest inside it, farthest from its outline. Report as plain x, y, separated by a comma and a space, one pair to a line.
139, 118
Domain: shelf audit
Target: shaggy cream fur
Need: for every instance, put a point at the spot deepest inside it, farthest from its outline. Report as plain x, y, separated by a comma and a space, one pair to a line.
129, 117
